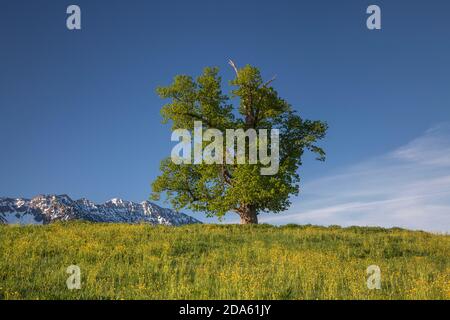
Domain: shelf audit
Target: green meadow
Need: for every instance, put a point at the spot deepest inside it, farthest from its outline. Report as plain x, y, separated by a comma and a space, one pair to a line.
119, 261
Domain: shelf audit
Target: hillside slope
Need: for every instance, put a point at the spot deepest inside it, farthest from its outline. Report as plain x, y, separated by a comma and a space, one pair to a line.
120, 261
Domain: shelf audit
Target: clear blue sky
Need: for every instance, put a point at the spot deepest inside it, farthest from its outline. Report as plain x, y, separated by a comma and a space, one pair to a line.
79, 113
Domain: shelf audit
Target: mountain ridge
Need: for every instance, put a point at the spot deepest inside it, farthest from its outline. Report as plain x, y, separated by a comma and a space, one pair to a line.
45, 209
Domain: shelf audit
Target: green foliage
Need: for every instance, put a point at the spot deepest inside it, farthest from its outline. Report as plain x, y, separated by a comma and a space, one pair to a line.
220, 188
120, 261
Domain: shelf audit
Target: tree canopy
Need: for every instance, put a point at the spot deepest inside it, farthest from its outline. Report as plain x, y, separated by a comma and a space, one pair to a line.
218, 188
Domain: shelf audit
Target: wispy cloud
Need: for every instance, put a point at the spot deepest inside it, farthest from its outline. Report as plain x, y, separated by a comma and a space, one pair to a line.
408, 187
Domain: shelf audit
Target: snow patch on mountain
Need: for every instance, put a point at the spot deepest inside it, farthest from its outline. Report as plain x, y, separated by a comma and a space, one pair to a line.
44, 209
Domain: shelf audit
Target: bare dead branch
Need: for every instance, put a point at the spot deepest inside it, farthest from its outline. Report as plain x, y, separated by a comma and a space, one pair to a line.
233, 65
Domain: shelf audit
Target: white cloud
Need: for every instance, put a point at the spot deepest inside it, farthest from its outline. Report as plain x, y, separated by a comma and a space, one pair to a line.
433, 148
409, 187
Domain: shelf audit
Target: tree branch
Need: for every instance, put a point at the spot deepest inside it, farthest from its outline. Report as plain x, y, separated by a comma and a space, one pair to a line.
270, 81
195, 116
233, 65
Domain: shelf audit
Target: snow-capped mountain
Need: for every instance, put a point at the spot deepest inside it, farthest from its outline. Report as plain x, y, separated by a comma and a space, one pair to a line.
45, 209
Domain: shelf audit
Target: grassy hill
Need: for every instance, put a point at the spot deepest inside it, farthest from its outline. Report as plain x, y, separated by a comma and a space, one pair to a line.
221, 262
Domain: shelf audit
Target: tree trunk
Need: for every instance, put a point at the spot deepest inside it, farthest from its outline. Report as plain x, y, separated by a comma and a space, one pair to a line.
248, 214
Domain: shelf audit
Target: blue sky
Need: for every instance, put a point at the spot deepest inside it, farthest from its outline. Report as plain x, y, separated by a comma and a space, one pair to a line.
79, 112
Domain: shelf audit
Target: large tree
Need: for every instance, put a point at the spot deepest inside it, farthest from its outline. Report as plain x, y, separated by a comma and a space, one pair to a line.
216, 189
